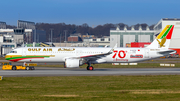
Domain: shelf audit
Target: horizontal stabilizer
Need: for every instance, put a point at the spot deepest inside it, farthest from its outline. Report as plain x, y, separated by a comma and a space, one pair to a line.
167, 52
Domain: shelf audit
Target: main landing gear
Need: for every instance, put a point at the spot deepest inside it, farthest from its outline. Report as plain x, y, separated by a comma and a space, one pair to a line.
89, 67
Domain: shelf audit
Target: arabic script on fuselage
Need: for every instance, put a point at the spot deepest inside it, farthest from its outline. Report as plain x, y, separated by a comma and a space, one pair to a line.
66, 49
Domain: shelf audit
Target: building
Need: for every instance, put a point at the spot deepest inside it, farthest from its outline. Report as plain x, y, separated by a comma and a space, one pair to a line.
163, 22
97, 42
27, 35
26, 24
125, 36
9, 40
75, 38
17, 35
2, 25
30, 32
12, 38
38, 36
24, 33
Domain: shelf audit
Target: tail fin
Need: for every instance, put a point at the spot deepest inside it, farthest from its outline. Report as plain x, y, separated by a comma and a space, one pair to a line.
163, 39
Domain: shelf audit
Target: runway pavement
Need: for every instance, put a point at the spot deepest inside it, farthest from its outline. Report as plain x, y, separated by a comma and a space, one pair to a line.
54, 71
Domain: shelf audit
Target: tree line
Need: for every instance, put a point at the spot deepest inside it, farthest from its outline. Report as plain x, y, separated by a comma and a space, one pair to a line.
98, 31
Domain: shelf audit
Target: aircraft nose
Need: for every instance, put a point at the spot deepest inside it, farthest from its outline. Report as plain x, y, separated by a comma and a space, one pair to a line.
7, 56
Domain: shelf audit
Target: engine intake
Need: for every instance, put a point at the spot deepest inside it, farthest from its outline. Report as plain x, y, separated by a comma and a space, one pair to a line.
72, 63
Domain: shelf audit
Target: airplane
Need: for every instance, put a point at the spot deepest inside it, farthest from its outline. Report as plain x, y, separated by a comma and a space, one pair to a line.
73, 57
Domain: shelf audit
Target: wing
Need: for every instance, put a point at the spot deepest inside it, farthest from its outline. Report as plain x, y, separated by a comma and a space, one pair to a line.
94, 56
97, 56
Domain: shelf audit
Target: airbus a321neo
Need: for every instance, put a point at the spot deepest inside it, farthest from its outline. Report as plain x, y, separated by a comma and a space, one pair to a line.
76, 56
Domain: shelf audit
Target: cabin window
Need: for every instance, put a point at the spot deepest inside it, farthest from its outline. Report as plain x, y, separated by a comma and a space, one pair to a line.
13, 52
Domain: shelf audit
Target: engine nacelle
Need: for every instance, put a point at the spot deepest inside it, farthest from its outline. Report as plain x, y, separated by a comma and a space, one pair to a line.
72, 63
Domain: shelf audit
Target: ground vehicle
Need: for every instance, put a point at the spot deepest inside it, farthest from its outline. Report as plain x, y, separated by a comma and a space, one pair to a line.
175, 55
9, 66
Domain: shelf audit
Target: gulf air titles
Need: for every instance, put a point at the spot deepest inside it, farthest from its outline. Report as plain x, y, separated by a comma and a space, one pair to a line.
76, 56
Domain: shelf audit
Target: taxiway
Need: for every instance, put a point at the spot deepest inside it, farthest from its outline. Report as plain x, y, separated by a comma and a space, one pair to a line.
48, 71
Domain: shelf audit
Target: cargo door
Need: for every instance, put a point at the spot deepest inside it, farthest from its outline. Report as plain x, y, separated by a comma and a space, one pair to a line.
146, 53
23, 51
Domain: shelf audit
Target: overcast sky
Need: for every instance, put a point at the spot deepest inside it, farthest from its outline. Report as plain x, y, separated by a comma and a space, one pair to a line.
92, 12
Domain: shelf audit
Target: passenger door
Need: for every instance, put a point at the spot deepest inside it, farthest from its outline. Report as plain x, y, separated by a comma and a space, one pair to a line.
23, 51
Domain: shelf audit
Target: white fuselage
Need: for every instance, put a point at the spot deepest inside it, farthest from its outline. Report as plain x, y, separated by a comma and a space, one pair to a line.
59, 54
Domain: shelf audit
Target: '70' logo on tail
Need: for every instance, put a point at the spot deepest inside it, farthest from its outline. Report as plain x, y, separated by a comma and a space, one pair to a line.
121, 54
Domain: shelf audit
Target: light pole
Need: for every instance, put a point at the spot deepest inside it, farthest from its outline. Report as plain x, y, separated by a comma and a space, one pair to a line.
60, 39
65, 37
51, 35
35, 35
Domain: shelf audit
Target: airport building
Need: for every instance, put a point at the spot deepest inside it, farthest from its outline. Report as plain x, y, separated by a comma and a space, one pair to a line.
2, 25
124, 36
97, 42
9, 40
75, 38
25, 33
163, 22
30, 32
78, 40
88, 42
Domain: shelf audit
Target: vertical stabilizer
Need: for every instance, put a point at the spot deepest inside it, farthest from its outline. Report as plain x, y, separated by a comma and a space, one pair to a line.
163, 39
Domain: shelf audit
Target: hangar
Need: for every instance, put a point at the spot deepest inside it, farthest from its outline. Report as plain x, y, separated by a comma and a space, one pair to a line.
125, 36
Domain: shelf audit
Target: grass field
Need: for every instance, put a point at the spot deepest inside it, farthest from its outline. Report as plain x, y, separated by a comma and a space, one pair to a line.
91, 88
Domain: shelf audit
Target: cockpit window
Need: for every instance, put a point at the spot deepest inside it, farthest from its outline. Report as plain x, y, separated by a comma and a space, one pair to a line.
13, 52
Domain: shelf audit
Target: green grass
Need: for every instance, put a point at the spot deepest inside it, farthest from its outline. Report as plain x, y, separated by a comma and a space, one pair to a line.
91, 88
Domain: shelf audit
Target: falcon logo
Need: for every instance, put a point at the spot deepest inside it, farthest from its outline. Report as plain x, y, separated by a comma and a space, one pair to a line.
161, 43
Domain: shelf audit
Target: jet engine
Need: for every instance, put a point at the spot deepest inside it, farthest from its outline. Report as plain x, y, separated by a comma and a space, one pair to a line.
72, 63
